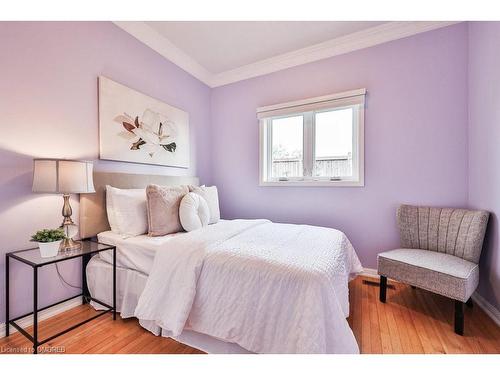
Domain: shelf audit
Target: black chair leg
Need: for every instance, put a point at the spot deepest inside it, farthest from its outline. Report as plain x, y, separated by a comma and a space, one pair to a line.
459, 318
469, 303
383, 288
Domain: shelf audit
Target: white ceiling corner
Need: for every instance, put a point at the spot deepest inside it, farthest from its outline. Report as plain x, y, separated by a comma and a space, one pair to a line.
157, 42
366, 37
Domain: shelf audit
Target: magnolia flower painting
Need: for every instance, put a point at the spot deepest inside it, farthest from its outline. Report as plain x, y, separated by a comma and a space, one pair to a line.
137, 128
153, 132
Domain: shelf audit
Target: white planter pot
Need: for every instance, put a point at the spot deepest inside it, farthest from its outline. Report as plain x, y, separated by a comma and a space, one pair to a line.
49, 249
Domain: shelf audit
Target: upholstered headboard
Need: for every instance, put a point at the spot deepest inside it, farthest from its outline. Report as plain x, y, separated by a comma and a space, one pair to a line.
93, 216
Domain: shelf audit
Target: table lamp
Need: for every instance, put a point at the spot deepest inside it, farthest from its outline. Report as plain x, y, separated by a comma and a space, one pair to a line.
60, 176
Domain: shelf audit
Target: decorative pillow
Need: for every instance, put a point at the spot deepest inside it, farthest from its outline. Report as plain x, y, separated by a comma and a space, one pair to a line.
192, 187
126, 209
163, 209
210, 194
193, 212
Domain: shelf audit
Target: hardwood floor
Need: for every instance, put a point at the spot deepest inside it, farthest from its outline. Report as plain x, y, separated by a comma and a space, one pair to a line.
415, 321
412, 321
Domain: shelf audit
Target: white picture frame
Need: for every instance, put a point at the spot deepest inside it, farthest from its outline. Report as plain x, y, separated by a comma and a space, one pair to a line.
136, 128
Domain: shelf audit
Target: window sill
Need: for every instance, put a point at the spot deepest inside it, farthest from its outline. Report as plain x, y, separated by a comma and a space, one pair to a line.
312, 183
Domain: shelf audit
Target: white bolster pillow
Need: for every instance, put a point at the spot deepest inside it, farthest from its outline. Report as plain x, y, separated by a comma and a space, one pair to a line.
193, 212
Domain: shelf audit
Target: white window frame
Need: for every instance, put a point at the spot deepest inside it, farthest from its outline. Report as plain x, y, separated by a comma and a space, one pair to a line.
351, 99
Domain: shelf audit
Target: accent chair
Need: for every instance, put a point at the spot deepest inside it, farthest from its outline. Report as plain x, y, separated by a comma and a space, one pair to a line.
440, 249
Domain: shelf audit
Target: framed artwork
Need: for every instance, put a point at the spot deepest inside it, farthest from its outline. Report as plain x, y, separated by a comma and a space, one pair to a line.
137, 128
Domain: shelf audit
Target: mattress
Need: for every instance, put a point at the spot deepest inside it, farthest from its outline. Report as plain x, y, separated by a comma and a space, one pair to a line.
135, 253
129, 286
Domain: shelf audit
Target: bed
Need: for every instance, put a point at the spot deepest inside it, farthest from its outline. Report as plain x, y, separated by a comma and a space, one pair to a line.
237, 286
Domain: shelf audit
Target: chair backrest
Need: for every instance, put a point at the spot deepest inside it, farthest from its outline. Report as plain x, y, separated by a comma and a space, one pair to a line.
452, 231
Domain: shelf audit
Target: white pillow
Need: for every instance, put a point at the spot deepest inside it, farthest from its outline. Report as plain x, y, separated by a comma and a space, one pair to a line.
109, 210
193, 212
210, 194
127, 210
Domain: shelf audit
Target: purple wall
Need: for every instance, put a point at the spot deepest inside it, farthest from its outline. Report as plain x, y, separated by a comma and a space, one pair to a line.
420, 146
415, 138
484, 150
48, 108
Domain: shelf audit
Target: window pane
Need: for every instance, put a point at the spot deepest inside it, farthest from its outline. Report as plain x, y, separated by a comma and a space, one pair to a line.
333, 148
287, 147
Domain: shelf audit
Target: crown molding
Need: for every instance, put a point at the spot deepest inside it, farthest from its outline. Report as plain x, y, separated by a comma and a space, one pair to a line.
333, 47
154, 40
352, 42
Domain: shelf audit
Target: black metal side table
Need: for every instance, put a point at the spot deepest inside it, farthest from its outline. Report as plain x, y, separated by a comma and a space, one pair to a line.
32, 258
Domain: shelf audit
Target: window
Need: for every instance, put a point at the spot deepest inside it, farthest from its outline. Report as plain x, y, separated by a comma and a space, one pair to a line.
287, 151
317, 141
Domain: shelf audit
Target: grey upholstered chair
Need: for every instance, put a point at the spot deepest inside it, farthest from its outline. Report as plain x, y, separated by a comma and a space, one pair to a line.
440, 249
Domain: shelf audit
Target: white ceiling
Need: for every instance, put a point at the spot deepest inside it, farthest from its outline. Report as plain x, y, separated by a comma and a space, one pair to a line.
219, 46
222, 52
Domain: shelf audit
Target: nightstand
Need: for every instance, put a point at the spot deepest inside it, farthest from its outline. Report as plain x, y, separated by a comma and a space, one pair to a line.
32, 258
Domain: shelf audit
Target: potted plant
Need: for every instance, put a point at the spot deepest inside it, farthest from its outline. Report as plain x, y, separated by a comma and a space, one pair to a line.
49, 241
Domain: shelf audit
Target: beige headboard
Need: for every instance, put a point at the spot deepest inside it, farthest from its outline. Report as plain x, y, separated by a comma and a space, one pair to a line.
93, 216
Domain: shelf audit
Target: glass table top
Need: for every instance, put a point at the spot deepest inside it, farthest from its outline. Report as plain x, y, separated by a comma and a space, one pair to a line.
33, 258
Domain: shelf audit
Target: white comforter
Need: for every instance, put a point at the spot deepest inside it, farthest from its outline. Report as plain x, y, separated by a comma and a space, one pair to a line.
271, 288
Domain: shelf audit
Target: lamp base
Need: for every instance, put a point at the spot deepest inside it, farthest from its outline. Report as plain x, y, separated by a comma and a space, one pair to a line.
69, 244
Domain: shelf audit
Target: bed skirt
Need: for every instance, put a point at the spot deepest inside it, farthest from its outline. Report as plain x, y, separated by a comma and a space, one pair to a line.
129, 286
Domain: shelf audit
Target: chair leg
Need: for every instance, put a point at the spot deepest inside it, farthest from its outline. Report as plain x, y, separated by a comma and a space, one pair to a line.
383, 288
459, 318
469, 303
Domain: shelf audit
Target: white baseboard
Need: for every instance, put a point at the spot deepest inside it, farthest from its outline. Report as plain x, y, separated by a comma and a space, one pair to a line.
487, 307
45, 314
370, 272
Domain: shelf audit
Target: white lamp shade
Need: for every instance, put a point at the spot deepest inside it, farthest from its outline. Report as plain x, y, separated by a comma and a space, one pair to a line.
62, 176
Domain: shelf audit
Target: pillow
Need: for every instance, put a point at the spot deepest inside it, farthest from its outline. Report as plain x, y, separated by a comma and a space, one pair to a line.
193, 212
163, 209
209, 193
192, 187
126, 209
110, 210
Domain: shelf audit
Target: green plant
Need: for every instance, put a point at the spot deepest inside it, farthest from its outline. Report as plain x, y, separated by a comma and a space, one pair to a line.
49, 235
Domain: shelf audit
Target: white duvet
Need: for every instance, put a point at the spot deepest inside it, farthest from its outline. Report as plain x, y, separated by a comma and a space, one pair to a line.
271, 288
